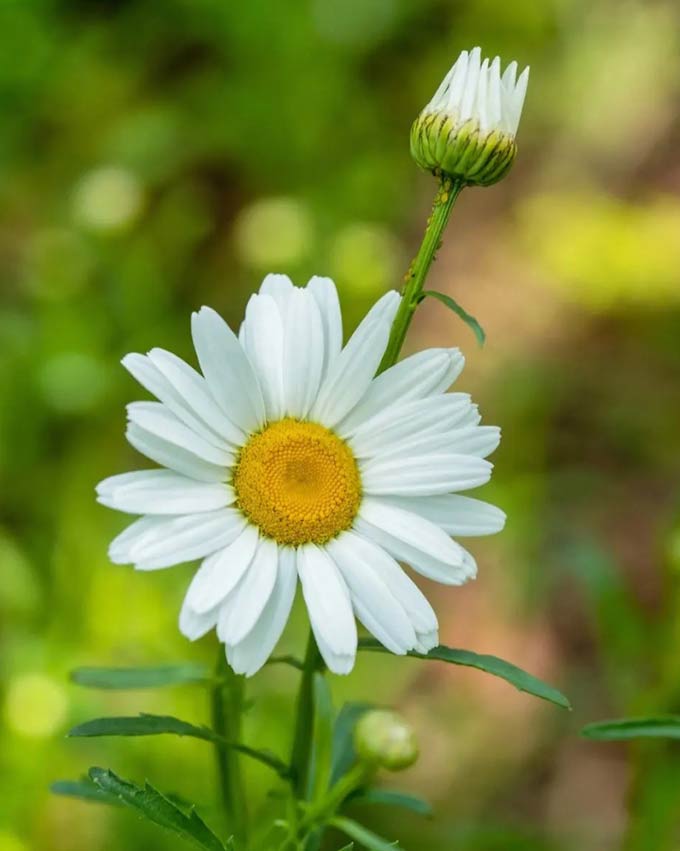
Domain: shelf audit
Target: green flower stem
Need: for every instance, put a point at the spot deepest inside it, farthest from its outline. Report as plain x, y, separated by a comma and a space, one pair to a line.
304, 725
227, 710
412, 293
348, 783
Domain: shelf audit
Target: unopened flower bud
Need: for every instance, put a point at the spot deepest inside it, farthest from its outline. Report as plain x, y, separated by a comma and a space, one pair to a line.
383, 738
467, 131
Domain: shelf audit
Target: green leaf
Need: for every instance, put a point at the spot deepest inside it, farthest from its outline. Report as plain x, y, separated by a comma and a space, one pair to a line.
349, 847
453, 305
362, 835
623, 729
157, 725
392, 798
85, 790
343, 738
140, 678
491, 664
323, 737
142, 725
157, 808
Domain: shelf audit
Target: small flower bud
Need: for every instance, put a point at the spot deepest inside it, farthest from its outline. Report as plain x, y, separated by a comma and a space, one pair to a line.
383, 738
467, 131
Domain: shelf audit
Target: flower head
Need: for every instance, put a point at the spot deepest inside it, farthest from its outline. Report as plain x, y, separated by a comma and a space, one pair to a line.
286, 458
468, 129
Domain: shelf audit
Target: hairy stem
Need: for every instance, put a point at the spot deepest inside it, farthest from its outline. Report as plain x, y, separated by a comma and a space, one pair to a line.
227, 709
412, 292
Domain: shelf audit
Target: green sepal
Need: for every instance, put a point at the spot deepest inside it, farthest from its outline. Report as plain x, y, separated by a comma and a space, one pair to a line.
490, 664
157, 808
141, 678
362, 835
453, 305
624, 729
157, 725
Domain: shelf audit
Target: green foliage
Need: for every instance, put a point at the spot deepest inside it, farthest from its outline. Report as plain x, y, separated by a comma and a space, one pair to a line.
85, 790
156, 807
453, 305
624, 729
391, 798
360, 834
343, 737
140, 678
155, 725
491, 664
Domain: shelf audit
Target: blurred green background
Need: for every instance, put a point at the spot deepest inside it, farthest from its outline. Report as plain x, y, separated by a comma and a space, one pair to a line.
158, 156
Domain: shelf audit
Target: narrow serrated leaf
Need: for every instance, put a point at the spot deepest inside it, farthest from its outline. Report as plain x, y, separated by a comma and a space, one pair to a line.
157, 808
467, 318
623, 729
362, 835
85, 790
157, 725
490, 664
391, 798
142, 725
140, 678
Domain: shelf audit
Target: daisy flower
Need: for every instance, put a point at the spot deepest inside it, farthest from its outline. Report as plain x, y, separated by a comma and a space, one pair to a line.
468, 129
287, 458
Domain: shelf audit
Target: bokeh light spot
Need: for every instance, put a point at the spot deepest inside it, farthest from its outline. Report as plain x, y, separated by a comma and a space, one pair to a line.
273, 232
35, 705
109, 198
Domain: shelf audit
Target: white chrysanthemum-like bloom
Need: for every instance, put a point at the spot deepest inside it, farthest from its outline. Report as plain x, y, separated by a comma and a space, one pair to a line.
287, 458
468, 129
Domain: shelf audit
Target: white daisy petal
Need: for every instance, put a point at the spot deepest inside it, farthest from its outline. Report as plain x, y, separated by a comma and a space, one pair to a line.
303, 355
329, 607
424, 475
355, 366
456, 514
479, 441
263, 343
155, 419
250, 654
413, 529
227, 370
412, 599
424, 374
279, 287
195, 393
171, 456
326, 295
155, 542
221, 572
425, 564
156, 382
193, 625
375, 606
162, 492
242, 608
414, 418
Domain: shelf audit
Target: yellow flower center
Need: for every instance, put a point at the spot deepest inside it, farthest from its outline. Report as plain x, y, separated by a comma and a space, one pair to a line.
298, 482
